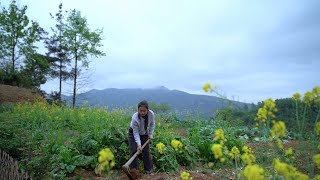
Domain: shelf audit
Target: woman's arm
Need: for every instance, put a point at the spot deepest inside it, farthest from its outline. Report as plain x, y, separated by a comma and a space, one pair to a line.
152, 125
136, 135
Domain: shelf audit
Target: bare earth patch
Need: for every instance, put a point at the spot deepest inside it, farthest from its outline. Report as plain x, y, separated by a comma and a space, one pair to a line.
119, 174
15, 94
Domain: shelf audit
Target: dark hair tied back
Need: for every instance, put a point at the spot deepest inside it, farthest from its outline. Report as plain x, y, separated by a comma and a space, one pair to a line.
143, 103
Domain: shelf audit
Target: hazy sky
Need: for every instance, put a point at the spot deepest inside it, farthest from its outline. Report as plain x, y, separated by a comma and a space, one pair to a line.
251, 50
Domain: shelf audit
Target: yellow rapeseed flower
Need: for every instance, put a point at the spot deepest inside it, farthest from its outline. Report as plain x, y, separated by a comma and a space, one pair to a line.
289, 152
262, 114
161, 147
278, 129
308, 97
176, 144
316, 90
105, 154
207, 87
300, 176
231, 155
217, 150
246, 149
112, 164
316, 93
185, 175
253, 172
279, 143
219, 135
297, 96
287, 171
266, 113
270, 105
248, 158
234, 151
316, 160
283, 168
106, 158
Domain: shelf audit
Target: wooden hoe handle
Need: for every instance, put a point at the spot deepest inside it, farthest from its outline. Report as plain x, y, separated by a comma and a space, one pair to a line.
126, 168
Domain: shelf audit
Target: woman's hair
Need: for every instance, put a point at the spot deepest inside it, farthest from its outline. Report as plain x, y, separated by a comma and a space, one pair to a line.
143, 103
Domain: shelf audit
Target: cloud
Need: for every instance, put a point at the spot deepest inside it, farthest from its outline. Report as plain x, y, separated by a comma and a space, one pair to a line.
251, 49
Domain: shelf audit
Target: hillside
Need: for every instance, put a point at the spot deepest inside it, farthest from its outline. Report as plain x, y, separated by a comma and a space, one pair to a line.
17, 94
179, 101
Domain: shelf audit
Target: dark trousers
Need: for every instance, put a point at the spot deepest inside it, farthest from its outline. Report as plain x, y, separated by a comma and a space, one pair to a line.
147, 159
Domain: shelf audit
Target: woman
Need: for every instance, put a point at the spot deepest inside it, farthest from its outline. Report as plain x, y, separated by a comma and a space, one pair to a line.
141, 129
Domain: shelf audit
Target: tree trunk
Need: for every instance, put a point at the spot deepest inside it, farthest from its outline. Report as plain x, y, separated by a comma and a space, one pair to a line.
60, 85
12, 58
74, 84
75, 77
60, 49
15, 41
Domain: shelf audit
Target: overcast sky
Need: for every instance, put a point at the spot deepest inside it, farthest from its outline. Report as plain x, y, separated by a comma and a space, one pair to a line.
252, 50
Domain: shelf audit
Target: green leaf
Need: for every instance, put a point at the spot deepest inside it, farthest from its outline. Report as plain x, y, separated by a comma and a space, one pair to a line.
82, 160
70, 168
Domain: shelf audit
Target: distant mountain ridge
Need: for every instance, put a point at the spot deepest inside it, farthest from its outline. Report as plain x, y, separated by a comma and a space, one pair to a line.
179, 101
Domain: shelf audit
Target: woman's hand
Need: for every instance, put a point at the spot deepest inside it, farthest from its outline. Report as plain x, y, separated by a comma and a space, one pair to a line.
139, 149
151, 138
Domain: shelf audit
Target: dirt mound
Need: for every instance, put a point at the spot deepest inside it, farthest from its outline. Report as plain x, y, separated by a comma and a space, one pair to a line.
15, 94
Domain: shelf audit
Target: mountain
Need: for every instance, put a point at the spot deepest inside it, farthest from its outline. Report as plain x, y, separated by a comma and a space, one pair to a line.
179, 101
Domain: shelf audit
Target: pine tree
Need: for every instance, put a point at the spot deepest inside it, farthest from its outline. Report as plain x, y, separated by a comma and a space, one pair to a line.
57, 48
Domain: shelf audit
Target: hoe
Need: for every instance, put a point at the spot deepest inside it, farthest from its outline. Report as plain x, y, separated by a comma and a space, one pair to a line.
126, 167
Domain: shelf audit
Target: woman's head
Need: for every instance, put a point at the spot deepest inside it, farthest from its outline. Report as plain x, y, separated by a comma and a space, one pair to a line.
143, 108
